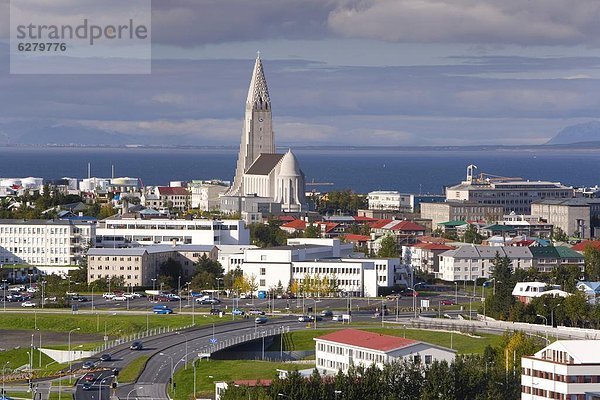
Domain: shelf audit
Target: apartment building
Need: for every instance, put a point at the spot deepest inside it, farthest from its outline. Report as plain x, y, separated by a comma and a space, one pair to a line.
205, 194
471, 262
576, 217
564, 370
460, 211
339, 350
130, 231
139, 266
45, 242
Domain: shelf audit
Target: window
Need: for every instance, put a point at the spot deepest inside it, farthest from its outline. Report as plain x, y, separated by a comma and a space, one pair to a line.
263, 271
262, 282
428, 359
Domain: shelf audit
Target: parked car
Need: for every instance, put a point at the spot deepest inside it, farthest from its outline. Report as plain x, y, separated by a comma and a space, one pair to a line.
105, 357
237, 311
108, 296
337, 318
447, 302
86, 386
305, 318
261, 320
137, 345
256, 311
27, 304
326, 313
208, 301
215, 311
119, 297
88, 365
81, 299
392, 296
162, 309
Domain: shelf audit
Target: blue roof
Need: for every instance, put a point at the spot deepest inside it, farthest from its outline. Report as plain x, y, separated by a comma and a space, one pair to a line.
595, 286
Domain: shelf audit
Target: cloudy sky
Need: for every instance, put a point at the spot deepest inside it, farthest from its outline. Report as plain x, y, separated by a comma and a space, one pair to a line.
356, 72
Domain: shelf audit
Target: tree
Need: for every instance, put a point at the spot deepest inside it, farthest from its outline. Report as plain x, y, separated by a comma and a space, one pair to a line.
230, 277
472, 236
267, 235
592, 263
558, 235
169, 273
566, 276
388, 247
499, 304
312, 231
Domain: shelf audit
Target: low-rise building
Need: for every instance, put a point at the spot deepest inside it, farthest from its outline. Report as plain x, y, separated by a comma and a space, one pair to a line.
565, 369
590, 289
339, 350
136, 230
205, 194
472, 262
460, 211
424, 257
546, 258
526, 291
576, 217
139, 266
45, 242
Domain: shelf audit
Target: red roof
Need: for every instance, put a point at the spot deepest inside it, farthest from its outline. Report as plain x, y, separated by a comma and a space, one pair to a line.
407, 226
582, 245
433, 246
356, 238
295, 224
172, 191
364, 219
329, 226
432, 239
523, 243
368, 340
285, 218
380, 223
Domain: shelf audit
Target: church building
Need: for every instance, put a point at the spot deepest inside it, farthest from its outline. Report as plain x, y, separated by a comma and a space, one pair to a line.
261, 172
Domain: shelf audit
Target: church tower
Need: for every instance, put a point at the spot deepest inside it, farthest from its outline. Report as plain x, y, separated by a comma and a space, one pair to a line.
257, 133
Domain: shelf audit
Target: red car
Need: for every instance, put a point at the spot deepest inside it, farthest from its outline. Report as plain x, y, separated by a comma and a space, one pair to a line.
88, 377
447, 302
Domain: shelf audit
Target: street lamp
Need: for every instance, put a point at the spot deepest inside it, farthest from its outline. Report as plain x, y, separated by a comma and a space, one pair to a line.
133, 390
4, 284
552, 313
4, 376
194, 366
179, 291
171, 358
219, 287
71, 355
186, 347
456, 292
545, 323
414, 294
315, 310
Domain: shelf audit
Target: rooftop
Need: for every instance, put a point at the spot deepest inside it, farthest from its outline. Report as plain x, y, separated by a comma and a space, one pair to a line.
367, 340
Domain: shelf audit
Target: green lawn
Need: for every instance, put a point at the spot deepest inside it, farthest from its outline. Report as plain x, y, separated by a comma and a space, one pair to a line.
303, 340
19, 357
116, 325
226, 370
131, 372
25, 395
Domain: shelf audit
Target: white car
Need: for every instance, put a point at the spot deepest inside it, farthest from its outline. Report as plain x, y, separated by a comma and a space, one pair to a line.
27, 304
120, 297
108, 296
129, 296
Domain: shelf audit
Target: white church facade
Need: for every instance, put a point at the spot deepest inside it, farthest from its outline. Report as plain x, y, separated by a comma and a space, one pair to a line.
261, 172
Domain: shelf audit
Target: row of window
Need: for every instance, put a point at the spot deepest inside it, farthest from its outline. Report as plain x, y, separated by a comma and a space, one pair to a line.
107, 276
325, 270
548, 394
35, 250
34, 230
121, 268
175, 227
106, 258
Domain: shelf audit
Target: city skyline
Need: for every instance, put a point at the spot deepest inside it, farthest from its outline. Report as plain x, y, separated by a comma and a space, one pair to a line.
395, 72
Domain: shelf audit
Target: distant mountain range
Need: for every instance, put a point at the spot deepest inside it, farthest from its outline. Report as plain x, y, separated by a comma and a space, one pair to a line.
580, 133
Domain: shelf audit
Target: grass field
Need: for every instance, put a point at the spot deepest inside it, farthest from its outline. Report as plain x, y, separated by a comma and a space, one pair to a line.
115, 324
133, 369
25, 395
211, 371
303, 340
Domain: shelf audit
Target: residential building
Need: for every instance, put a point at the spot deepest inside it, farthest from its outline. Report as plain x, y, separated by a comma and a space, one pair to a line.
395, 201
45, 242
565, 370
132, 231
472, 262
252, 208
577, 217
513, 194
424, 257
205, 194
526, 291
177, 198
590, 289
140, 266
338, 351
460, 211
528, 225
260, 171
546, 258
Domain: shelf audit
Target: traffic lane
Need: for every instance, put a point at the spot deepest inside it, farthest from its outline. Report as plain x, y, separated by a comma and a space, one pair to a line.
99, 388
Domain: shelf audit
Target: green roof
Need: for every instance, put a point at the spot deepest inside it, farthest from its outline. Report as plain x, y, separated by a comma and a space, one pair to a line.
498, 227
554, 252
453, 223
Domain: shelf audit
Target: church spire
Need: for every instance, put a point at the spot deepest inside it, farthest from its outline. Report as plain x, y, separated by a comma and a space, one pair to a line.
258, 93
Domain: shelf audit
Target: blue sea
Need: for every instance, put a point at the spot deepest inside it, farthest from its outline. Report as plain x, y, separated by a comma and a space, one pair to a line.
423, 171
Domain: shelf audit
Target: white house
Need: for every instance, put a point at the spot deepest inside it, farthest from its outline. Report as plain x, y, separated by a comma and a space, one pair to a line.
590, 289
566, 369
525, 291
338, 350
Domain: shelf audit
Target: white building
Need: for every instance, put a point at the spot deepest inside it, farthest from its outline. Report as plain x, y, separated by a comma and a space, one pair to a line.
471, 262
388, 200
205, 194
339, 350
514, 194
525, 291
45, 242
565, 370
260, 171
118, 231
305, 259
